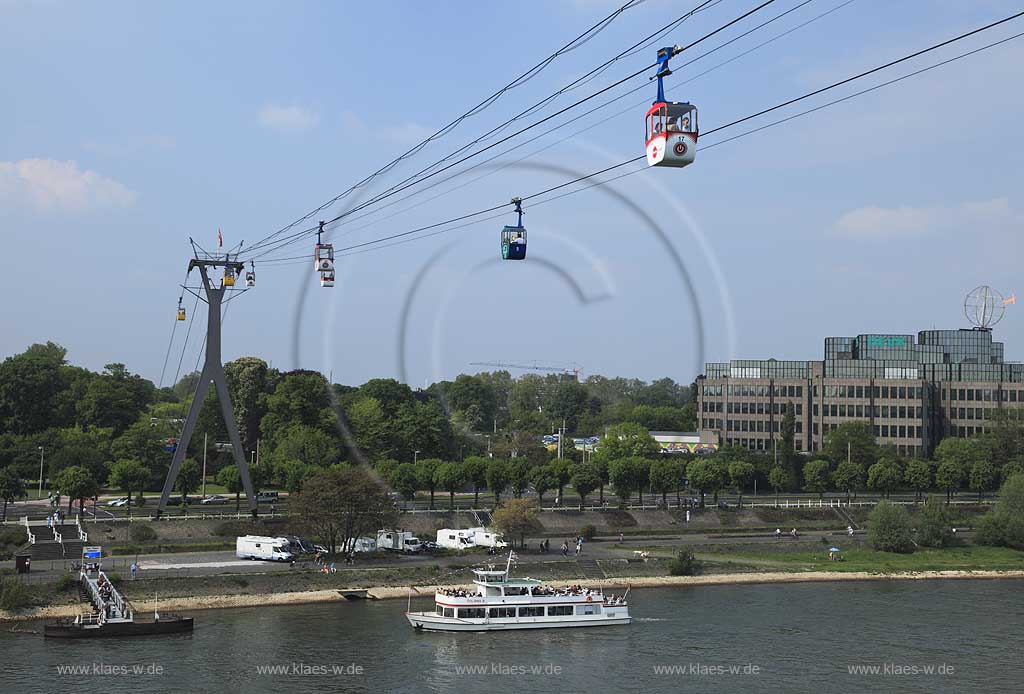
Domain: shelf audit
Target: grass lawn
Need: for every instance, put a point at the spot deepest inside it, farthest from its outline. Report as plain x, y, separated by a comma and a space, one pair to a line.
970, 557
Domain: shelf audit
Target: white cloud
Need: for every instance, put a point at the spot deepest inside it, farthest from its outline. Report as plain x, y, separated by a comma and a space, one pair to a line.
288, 118
902, 222
407, 134
50, 185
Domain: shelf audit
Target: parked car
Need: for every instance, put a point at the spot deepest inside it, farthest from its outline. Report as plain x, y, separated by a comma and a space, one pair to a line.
724, 504
320, 548
267, 498
123, 501
430, 546
215, 499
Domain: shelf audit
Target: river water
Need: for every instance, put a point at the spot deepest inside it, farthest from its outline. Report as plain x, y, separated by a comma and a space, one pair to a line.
784, 637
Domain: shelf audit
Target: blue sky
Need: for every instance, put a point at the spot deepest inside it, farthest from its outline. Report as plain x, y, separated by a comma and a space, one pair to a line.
128, 127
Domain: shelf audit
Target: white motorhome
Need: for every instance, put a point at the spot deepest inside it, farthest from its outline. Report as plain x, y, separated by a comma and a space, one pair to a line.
266, 548
482, 537
398, 541
363, 544
469, 537
455, 539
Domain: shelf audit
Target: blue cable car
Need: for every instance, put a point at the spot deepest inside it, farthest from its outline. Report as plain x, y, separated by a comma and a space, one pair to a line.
671, 125
513, 239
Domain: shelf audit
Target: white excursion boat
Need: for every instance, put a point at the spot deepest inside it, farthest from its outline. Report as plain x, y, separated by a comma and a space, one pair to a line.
501, 602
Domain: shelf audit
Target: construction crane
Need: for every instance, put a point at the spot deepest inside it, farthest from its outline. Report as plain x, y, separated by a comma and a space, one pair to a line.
570, 368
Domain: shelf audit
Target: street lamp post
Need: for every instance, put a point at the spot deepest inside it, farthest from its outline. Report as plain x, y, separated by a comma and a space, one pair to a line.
41, 452
415, 455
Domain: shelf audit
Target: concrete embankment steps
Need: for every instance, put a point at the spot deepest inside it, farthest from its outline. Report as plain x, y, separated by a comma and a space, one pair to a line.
46, 548
590, 568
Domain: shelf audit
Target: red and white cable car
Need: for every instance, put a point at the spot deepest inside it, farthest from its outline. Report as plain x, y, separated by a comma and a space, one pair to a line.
671, 126
327, 279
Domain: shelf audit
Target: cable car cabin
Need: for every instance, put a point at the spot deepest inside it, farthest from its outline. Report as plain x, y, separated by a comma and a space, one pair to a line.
229, 277
671, 134
181, 313
327, 279
513, 243
323, 254
250, 279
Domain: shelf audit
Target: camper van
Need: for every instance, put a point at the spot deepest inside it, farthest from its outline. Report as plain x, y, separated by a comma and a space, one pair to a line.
362, 544
469, 537
455, 539
398, 541
265, 548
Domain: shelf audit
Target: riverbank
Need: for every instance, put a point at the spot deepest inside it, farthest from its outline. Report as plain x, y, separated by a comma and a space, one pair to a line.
210, 602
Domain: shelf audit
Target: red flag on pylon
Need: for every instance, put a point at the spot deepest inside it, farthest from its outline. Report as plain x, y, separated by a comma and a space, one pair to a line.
1011, 300
220, 239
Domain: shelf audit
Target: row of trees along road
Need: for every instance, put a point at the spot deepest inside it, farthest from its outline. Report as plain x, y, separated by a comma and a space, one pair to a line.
115, 428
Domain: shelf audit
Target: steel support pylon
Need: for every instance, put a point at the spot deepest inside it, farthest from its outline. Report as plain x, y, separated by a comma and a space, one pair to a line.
213, 372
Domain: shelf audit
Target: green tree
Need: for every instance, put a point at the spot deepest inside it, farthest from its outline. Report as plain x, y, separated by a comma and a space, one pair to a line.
406, 481
1004, 524
889, 529
544, 480
129, 476
497, 478
585, 479
476, 473
885, 475
816, 476
450, 477
627, 440
370, 427
848, 477
305, 444
519, 471
855, 439
561, 471
230, 478
517, 518
12, 488
983, 477
621, 472
340, 504
666, 476
190, 477
919, 476
78, 484
955, 458
706, 475
293, 474
426, 469
778, 478
934, 527
741, 475
950, 476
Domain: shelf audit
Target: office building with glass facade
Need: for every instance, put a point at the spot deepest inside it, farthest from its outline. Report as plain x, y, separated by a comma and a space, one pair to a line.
912, 392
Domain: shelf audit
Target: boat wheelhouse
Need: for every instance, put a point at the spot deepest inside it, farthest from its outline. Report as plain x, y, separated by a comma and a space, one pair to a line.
500, 602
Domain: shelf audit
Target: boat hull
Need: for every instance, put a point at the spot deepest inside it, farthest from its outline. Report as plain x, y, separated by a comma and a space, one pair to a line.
70, 630
430, 621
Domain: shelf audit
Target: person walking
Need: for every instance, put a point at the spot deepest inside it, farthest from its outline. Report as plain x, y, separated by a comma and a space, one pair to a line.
778, 533
565, 549
135, 570
621, 538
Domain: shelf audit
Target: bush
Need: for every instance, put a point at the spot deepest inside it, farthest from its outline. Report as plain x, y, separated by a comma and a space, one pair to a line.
889, 529
934, 528
65, 582
1004, 525
588, 532
231, 529
15, 595
685, 564
142, 532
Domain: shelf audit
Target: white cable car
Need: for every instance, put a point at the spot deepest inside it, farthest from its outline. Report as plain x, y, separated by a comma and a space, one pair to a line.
327, 279
671, 126
250, 276
323, 255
